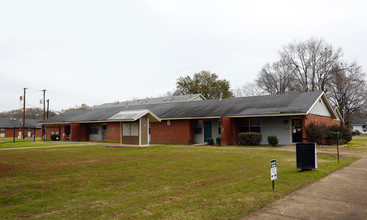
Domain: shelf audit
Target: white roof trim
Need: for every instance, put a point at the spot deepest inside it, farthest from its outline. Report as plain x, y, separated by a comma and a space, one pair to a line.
199, 95
133, 115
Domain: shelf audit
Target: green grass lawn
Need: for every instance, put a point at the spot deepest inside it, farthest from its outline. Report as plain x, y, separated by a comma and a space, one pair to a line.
27, 142
3, 140
154, 182
358, 145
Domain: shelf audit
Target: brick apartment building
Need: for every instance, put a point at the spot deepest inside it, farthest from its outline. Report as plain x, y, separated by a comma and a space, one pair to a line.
193, 120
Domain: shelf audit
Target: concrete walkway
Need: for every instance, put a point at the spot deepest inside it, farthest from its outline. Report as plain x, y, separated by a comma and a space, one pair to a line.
341, 195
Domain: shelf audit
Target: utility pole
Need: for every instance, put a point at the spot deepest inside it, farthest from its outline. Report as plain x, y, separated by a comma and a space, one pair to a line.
44, 104
48, 105
24, 112
44, 115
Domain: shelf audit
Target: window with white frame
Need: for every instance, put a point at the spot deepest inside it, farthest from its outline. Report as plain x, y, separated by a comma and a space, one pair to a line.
199, 127
130, 129
93, 129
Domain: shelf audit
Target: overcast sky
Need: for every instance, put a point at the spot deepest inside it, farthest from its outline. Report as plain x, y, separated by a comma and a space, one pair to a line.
95, 52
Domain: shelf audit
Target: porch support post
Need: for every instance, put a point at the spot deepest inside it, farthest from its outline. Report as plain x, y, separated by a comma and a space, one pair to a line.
228, 131
304, 121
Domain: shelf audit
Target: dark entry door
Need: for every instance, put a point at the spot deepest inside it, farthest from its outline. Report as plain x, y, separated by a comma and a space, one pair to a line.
296, 130
207, 130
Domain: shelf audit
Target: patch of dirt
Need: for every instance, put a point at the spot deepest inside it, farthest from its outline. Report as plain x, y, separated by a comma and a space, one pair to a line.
3, 166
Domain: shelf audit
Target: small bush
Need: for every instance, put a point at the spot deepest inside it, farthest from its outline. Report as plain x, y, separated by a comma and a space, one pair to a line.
273, 140
55, 137
218, 140
344, 132
210, 141
317, 133
249, 138
328, 135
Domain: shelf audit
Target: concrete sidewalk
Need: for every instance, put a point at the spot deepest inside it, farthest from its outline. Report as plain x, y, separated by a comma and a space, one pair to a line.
341, 195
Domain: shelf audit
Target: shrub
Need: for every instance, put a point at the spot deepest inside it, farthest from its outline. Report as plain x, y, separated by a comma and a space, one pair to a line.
273, 140
55, 137
344, 132
210, 141
249, 138
218, 140
328, 135
317, 133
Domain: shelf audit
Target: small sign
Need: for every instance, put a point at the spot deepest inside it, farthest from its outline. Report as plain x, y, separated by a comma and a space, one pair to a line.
273, 170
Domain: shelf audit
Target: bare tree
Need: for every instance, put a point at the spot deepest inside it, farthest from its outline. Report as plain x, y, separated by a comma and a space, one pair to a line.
347, 90
276, 78
303, 66
249, 89
311, 63
314, 65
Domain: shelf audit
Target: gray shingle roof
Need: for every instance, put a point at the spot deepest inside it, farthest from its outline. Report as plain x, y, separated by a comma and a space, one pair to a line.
148, 101
295, 103
359, 121
17, 123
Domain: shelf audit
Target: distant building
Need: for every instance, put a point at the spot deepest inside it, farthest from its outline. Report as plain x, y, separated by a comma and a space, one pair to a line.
10, 127
360, 124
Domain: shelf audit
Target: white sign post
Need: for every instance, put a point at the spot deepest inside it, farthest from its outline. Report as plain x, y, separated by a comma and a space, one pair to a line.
273, 171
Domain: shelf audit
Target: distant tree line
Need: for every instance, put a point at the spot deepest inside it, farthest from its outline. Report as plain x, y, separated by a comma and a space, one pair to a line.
30, 113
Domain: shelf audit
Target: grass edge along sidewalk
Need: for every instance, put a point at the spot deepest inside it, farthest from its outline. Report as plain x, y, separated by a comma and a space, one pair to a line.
157, 182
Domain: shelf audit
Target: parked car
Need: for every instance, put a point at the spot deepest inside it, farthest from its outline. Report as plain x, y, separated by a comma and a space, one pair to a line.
355, 132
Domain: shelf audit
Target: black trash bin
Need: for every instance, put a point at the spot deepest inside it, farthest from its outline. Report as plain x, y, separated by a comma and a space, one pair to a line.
306, 156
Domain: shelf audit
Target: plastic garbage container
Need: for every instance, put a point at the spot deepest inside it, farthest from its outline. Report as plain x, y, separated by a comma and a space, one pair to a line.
306, 156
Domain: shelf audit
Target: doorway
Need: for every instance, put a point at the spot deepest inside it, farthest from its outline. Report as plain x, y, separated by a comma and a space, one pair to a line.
207, 130
296, 130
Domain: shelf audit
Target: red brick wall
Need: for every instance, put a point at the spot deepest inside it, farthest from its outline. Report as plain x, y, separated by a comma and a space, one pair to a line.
317, 119
56, 128
179, 132
38, 132
229, 132
79, 132
113, 131
9, 132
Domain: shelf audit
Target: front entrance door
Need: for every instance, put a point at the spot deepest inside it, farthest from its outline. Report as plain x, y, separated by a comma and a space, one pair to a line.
296, 130
207, 130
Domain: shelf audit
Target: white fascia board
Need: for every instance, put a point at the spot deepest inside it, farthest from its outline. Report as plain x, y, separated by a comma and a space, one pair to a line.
267, 115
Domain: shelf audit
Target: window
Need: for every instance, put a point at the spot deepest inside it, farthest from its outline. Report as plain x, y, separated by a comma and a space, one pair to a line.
199, 127
2, 132
219, 127
93, 129
249, 125
130, 129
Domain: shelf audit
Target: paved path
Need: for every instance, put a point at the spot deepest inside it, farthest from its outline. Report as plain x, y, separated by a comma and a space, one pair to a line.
341, 195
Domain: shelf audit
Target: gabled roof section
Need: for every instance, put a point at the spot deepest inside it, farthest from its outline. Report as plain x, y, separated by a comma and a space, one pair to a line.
327, 103
338, 115
134, 115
